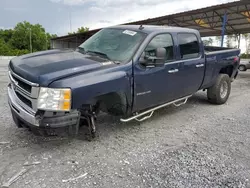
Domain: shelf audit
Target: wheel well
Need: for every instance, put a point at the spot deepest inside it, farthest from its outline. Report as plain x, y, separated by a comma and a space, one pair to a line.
113, 103
227, 70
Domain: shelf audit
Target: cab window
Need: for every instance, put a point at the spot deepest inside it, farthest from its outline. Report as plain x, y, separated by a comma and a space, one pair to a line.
188, 45
162, 43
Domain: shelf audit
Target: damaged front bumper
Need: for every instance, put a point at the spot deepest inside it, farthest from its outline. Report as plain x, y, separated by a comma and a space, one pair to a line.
23, 116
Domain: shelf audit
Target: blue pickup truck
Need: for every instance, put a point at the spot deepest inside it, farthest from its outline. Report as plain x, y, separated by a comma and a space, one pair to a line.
128, 71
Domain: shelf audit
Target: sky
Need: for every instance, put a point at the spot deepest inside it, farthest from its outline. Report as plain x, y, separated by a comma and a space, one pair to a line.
63, 16
54, 15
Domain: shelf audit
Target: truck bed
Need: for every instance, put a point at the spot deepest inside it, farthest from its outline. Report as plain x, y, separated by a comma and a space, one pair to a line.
222, 57
212, 50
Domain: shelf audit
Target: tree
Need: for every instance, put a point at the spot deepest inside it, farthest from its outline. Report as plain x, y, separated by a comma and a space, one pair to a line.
19, 40
80, 30
218, 39
246, 37
6, 34
208, 42
231, 40
4, 49
28, 36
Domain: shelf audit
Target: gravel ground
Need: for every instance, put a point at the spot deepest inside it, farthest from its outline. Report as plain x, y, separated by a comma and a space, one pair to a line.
195, 145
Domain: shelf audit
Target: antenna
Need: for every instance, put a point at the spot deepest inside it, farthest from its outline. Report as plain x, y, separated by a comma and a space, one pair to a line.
70, 22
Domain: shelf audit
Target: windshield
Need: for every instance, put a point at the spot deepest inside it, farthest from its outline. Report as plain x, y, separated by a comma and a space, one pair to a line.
115, 44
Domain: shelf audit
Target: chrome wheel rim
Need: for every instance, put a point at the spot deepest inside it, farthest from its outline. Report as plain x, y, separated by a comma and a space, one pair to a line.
223, 89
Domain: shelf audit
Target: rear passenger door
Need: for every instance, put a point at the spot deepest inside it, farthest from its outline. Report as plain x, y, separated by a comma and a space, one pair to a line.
192, 57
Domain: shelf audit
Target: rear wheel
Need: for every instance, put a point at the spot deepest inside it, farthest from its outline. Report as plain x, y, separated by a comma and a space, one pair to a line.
242, 68
220, 91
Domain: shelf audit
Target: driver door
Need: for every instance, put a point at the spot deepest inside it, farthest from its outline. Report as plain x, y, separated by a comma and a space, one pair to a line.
157, 74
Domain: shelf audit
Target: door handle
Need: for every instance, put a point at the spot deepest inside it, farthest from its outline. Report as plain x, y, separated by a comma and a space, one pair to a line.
199, 65
173, 70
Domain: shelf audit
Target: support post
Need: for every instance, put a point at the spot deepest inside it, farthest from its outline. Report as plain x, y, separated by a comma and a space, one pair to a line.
239, 40
223, 28
70, 22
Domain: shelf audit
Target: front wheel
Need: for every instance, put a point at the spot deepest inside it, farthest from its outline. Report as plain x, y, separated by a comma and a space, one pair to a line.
220, 91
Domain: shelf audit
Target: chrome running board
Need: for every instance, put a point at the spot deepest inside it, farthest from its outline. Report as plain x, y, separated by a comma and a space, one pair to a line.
151, 111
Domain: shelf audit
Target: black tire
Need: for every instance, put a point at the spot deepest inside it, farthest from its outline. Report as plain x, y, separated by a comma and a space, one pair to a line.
242, 68
220, 91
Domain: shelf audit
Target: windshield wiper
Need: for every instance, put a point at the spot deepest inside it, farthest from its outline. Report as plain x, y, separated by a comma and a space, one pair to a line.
99, 53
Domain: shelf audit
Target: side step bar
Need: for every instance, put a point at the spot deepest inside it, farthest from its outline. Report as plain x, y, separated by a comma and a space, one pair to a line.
151, 111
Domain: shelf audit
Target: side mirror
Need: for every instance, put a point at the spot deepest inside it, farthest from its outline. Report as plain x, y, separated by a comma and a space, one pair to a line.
154, 61
143, 58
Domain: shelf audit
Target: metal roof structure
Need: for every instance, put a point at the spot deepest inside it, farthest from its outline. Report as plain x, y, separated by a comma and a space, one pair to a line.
209, 21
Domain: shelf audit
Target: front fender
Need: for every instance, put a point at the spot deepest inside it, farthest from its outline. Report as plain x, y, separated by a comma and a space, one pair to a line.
87, 87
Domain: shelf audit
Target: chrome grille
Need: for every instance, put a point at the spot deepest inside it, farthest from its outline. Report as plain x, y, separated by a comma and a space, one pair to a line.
26, 91
25, 86
24, 99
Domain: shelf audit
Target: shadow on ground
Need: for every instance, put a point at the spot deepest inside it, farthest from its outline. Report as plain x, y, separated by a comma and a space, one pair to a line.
108, 127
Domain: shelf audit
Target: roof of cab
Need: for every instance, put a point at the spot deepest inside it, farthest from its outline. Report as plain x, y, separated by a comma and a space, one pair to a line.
152, 28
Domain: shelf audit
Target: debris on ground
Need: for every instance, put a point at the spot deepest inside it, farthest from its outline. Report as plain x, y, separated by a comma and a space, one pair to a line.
14, 178
73, 162
76, 178
126, 162
3, 143
31, 164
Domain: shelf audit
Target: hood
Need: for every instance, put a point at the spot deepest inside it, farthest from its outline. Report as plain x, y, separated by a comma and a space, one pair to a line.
48, 66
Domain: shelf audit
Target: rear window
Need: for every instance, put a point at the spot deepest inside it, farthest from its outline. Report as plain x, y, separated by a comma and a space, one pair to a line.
189, 45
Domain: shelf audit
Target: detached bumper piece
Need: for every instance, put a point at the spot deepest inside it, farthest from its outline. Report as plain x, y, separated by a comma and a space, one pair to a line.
24, 116
60, 121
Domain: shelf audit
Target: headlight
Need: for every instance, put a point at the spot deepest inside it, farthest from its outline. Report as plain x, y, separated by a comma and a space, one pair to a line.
54, 99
